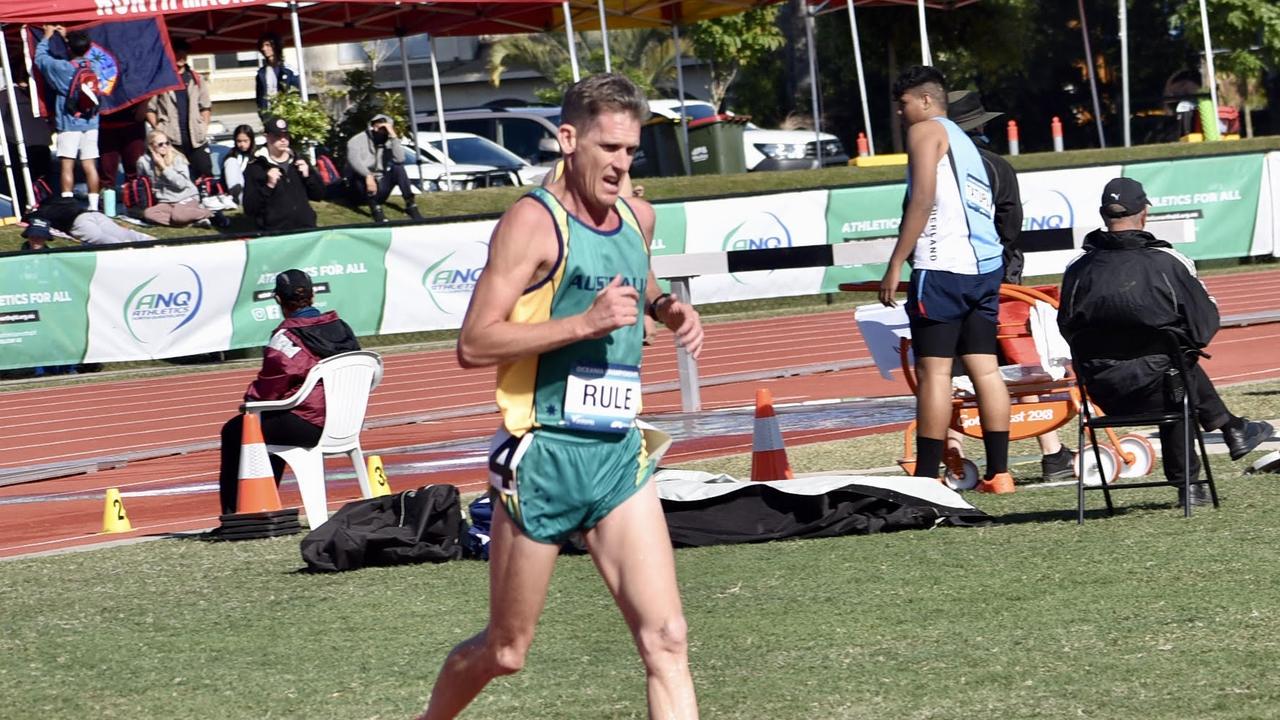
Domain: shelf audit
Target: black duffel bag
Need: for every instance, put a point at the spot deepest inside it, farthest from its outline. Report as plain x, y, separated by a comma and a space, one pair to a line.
414, 526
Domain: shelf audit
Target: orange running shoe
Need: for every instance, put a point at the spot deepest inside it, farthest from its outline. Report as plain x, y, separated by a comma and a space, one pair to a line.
1001, 484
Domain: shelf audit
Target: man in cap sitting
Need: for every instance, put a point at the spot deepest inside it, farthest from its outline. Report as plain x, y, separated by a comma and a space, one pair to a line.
305, 337
375, 165
1127, 278
280, 185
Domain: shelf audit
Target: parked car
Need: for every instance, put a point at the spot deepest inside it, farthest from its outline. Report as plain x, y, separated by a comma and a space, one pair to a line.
766, 149
529, 132
475, 163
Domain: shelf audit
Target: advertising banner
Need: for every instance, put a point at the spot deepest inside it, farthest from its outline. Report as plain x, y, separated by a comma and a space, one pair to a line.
862, 214
669, 231
1219, 193
163, 302
430, 276
43, 309
1058, 203
346, 266
752, 223
1266, 236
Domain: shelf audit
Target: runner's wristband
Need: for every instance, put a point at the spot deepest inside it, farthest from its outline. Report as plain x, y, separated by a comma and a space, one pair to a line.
653, 306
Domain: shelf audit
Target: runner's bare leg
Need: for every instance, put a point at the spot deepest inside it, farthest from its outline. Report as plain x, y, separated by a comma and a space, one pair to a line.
519, 574
632, 551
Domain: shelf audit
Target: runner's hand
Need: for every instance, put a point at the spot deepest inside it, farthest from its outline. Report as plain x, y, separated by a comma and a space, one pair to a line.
615, 306
683, 320
889, 286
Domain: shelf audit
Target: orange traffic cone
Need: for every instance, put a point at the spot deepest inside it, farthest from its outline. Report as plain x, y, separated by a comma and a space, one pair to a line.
257, 491
768, 456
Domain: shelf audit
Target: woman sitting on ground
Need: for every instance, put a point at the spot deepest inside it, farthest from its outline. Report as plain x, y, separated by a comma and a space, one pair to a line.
237, 160
177, 201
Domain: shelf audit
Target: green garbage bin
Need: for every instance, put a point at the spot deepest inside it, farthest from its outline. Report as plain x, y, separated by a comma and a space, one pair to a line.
659, 152
715, 145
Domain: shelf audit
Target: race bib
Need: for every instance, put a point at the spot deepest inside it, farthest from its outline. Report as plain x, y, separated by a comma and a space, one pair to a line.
600, 398
977, 195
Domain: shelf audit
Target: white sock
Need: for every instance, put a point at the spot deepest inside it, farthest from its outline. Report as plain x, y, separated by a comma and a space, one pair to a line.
93, 201
68, 194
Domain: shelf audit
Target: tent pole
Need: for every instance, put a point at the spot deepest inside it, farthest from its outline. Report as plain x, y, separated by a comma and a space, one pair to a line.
568, 35
1124, 70
812, 52
435, 82
297, 48
26, 57
413, 111
1093, 74
8, 166
862, 79
1208, 59
684, 118
926, 57
604, 37
14, 114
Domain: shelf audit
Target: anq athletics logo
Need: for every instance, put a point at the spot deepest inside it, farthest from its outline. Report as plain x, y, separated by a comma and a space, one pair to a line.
164, 303
444, 278
764, 230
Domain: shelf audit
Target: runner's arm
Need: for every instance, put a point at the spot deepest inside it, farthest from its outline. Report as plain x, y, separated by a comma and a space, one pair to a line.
924, 150
680, 318
522, 250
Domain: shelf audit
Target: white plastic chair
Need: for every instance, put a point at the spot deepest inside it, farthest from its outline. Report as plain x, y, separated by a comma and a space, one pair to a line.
348, 380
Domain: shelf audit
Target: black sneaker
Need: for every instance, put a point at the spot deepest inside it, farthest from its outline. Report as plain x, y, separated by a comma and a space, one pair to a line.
1058, 466
1242, 440
1199, 496
375, 210
411, 210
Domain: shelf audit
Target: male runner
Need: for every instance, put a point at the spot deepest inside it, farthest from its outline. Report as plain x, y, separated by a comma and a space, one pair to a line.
557, 309
956, 268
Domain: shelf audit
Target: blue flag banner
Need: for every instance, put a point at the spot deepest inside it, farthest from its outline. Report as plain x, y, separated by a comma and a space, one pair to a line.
132, 59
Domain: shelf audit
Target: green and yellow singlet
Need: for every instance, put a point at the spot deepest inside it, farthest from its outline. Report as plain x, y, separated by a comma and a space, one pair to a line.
590, 385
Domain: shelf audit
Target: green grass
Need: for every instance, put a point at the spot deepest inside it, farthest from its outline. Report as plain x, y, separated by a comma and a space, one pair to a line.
496, 200
1140, 616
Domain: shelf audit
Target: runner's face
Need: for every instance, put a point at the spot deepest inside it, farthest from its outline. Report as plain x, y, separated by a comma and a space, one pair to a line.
601, 157
912, 106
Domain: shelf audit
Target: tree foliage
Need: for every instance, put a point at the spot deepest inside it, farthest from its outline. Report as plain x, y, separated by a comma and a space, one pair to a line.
308, 122
647, 56
733, 42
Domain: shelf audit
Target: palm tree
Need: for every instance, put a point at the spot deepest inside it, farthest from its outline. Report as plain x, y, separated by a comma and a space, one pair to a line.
647, 56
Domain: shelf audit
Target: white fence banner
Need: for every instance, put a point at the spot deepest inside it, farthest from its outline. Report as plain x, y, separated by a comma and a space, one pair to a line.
163, 302
1266, 236
755, 223
431, 271
1061, 200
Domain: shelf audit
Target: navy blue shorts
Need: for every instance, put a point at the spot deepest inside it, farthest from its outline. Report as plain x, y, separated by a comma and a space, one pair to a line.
953, 314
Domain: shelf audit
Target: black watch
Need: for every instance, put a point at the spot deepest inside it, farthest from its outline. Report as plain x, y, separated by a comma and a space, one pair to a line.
653, 306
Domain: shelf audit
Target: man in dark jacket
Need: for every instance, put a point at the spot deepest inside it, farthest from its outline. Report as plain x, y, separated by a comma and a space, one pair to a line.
965, 109
1127, 278
306, 337
278, 184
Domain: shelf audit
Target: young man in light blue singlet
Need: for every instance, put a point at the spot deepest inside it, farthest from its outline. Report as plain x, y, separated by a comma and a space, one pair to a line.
558, 310
948, 233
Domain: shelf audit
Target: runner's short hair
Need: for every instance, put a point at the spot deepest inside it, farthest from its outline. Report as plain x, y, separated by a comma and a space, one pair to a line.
605, 92
924, 78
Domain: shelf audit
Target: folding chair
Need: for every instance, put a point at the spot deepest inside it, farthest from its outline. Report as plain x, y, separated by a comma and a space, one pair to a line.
348, 379
1128, 344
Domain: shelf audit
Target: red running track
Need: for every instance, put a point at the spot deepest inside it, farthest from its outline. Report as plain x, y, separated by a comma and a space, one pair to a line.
84, 422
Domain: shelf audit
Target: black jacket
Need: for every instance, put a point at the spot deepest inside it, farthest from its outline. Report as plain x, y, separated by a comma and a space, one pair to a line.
286, 206
285, 78
1127, 282
1008, 219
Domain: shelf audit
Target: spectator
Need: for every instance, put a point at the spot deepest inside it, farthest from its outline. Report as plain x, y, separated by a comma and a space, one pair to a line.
1127, 278
184, 114
233, 166
69, 216
278, 185
273, 77
75, 115
375, 165
123, 137
305, 337
177, 200
36, 136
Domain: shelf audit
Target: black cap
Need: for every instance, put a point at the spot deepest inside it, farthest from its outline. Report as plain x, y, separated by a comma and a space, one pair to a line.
1123, 197
293, 285
37, 229
276, 126
965, 109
